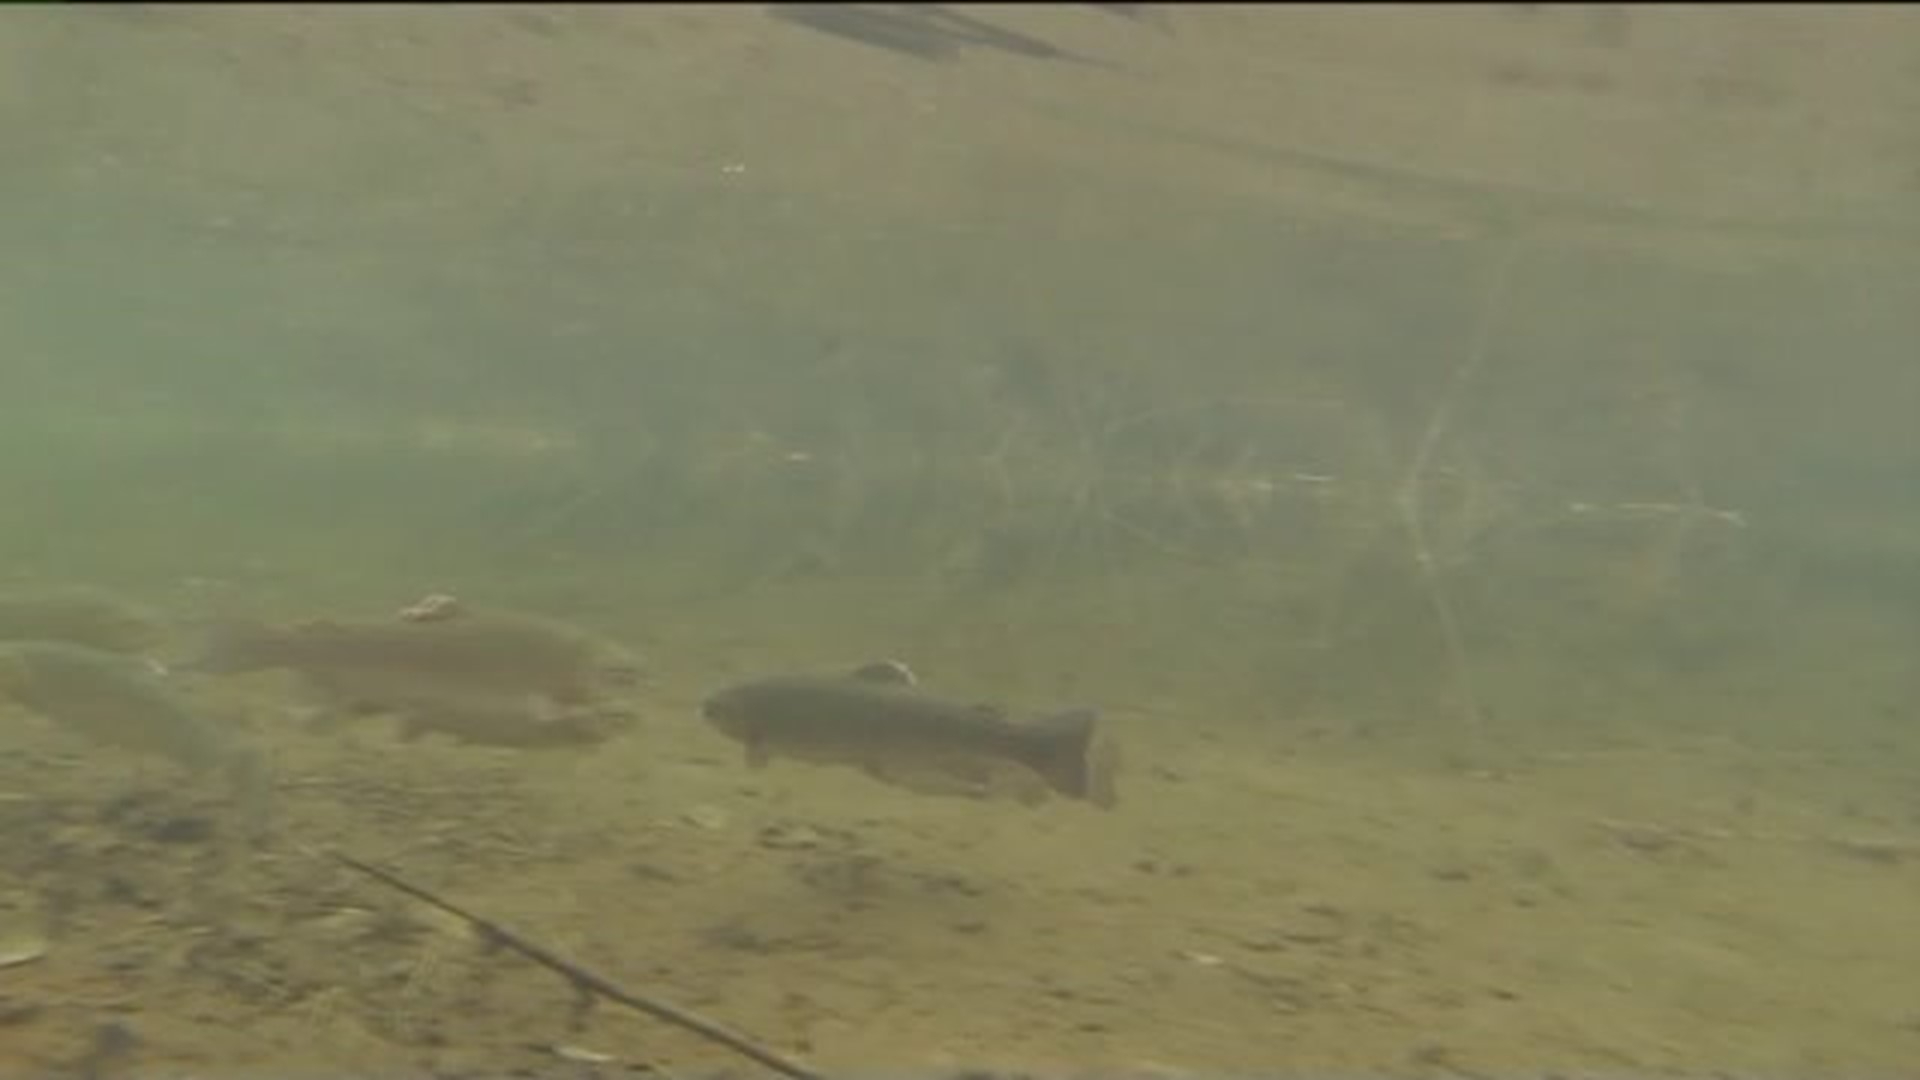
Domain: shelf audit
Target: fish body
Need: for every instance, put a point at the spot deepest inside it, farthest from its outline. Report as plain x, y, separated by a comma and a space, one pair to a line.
122, 701
78, 616
877, 720
527, 726
479, 653
108, 697
520, 724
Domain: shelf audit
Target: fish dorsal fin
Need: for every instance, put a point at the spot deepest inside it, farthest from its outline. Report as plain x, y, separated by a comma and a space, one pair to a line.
886, 673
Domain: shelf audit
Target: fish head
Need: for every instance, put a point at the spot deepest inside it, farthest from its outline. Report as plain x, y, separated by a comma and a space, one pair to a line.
731, 711
744, 710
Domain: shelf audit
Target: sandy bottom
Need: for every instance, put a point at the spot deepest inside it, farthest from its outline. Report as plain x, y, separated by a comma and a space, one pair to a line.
1253, 903
1260, 899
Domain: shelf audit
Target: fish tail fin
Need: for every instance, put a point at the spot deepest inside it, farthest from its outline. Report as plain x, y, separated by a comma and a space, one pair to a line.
1072, 760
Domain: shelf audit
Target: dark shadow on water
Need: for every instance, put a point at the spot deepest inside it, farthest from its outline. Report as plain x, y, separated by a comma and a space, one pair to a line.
926, 31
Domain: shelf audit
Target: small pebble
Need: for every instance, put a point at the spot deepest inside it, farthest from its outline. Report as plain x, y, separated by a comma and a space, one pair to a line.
24, 949
568, 1052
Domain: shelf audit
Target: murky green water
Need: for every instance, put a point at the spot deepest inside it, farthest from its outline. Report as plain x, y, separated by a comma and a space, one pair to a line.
762, 348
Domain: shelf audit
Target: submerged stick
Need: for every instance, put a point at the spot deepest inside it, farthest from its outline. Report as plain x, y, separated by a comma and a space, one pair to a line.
588, 982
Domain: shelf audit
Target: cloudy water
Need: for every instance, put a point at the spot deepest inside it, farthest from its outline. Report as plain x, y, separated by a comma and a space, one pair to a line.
1280, 539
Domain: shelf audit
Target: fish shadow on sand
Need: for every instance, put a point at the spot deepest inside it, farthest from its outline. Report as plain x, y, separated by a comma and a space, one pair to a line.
808, 907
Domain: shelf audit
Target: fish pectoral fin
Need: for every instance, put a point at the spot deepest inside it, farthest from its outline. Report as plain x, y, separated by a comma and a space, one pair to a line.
939, 779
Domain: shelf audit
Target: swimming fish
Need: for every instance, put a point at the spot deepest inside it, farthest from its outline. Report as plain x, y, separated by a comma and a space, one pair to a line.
878, 720
81, 616
123, 701
474, 653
